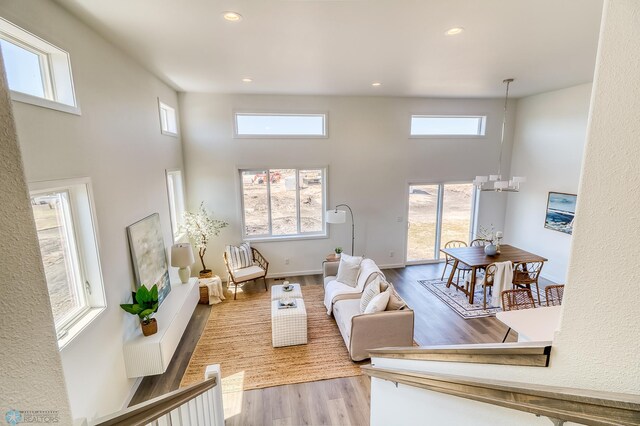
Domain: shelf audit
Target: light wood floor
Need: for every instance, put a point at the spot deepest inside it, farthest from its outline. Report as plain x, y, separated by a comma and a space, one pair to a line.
342, 401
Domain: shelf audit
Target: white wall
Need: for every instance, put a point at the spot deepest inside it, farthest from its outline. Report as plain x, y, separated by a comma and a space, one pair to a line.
596, 346
117, 143
370, 159
548, 145
31, 375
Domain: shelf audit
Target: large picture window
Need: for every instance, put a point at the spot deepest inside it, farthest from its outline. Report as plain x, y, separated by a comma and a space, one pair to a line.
279, 203
65, 225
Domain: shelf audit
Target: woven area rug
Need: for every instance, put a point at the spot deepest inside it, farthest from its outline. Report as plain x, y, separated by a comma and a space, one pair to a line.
459, 302
238, 337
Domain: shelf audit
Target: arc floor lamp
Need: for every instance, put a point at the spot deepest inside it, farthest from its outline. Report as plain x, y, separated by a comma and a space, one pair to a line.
340, 216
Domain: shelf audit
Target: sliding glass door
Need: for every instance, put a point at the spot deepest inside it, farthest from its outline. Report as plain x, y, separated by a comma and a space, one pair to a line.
438, 213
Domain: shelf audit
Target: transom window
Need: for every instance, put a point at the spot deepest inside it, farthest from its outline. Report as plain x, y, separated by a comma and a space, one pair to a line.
448, 125
280, 125
38, 72
168, 119
64, 220
280, 203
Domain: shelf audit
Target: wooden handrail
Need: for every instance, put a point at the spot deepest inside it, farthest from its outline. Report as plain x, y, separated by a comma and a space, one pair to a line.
151, 410
532, 354
566, 404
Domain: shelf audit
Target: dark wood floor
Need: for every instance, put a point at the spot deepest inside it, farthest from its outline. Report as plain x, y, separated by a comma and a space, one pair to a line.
337, 401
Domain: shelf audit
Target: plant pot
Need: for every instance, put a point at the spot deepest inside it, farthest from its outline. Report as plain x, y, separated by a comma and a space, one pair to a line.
206, 273
490, 250
150, 328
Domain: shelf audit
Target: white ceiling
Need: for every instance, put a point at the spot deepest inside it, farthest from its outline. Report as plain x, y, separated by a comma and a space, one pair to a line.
342, 46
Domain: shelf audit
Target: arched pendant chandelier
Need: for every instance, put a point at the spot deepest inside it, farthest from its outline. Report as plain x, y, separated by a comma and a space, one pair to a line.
495, 182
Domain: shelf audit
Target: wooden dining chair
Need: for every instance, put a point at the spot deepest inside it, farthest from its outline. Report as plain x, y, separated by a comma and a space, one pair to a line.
553, 294
487, 281
479, 242
449, 261
527, 273
513, 300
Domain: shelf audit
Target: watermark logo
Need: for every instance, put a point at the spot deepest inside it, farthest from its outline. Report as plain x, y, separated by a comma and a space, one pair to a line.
13, 417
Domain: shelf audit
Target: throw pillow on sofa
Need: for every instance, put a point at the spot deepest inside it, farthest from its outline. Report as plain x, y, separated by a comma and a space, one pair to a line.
378, 303
395, 301
348, 269
240, 257
370, 291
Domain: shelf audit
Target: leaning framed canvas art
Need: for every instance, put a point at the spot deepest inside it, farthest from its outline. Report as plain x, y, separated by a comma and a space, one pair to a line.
148, 255
561, 210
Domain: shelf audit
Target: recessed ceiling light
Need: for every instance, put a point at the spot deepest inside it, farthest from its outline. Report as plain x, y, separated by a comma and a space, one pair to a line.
247, 80
232, 16
376, 84
454, 31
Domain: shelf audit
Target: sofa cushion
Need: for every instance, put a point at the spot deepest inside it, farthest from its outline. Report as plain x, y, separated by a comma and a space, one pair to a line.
239, 257
343, 312
370, 291
249, 273
378, 303
395, 301
333, 290
349, 269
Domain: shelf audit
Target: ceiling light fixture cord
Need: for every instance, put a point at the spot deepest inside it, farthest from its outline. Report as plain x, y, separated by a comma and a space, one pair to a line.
504, 124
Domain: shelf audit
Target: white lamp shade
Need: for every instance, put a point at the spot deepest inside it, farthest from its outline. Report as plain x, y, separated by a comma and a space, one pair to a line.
501, 184
519, 179
494, 177
182, 255
336, 216
482, 179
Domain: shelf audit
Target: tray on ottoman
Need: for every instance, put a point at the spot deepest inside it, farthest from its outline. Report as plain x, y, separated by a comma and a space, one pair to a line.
278, 292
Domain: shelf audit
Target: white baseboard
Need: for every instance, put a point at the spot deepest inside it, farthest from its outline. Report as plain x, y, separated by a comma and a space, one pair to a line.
391, 265
294, 273
132, 392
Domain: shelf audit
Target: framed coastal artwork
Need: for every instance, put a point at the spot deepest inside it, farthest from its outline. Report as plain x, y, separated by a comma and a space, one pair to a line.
561, 209
148, 255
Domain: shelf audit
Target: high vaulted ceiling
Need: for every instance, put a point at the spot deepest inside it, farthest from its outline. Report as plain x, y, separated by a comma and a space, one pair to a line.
340, 47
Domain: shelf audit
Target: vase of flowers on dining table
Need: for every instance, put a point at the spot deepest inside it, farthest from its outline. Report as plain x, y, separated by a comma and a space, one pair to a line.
493, 239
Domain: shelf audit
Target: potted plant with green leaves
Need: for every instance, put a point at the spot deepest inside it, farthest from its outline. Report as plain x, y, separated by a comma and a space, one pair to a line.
338, 251
146, 304
200, 226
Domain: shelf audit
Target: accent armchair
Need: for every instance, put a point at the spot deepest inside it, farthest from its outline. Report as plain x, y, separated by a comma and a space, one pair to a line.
251, 273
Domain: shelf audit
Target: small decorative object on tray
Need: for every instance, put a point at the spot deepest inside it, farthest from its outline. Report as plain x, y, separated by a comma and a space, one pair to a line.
286, 286
286, 303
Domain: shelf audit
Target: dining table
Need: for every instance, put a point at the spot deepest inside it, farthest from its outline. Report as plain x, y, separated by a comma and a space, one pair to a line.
475, 258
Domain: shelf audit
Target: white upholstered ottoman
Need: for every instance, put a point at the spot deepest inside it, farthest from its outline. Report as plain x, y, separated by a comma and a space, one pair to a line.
288, 326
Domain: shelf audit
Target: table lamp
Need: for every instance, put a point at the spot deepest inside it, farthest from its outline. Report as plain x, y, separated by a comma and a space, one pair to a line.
182, 257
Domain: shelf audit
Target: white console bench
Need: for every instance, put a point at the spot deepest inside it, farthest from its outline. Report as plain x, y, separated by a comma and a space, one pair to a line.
145, 356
